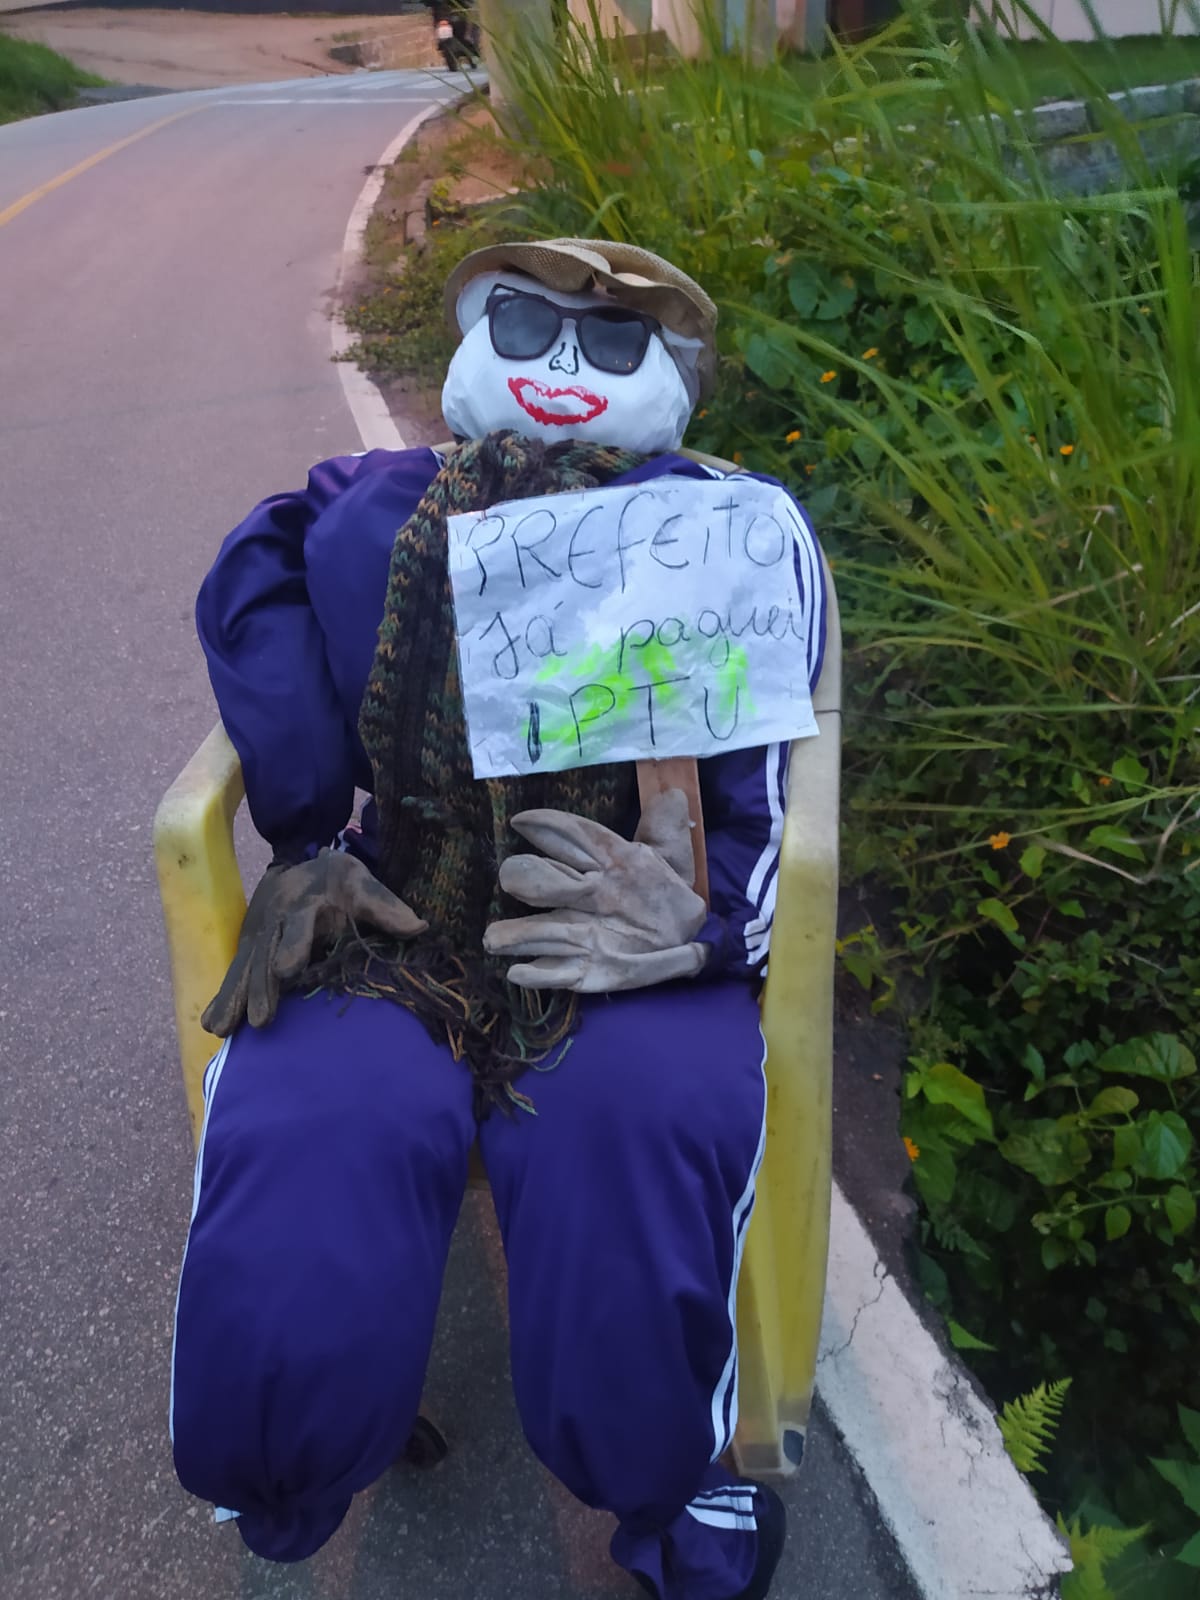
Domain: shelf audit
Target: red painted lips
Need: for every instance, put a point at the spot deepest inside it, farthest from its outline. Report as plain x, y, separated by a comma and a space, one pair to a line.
536, 399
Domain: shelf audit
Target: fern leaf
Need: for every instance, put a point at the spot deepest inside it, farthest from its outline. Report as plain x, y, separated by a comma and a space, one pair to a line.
1091, 1553
1086, 1583
951, 1235
1028, 1424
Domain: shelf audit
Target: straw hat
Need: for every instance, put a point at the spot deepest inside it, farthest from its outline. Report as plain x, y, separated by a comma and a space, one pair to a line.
634, 277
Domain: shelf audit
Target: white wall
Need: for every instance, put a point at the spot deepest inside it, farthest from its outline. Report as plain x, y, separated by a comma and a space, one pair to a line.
1117, 18
800, 23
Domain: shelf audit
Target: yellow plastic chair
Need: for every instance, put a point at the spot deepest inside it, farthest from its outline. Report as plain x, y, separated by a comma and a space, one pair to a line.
783, 1271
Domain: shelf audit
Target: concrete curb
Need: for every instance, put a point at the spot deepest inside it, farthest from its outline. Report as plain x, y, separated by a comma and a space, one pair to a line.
1075, 137
410, 45
416, 217
112, 93
925, 1439
372, 416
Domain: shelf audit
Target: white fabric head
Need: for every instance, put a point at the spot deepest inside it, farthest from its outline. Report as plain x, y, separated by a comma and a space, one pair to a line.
559, 395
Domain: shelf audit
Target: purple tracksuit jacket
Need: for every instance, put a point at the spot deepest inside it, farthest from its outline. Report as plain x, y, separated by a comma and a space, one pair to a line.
288, 618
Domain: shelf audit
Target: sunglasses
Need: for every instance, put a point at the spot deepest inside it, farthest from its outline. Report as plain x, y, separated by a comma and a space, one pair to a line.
524, 326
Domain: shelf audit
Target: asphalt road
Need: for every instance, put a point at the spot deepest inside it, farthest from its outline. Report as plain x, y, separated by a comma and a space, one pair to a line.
164, 363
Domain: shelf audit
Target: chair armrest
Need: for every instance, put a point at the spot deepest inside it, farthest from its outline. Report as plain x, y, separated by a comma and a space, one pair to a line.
202, 896
781, 1296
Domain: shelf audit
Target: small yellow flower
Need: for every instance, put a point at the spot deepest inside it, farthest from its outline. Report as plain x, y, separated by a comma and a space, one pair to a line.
810, 469
1066, 449
1145, 310
1000, 841
828, 377
914, 1149
1105, 783
989, 511
703, 412
869, 355
792, 437
737, 456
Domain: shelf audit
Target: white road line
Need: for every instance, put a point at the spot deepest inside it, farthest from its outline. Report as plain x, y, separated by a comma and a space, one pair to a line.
367, 405
965, 1519
432, 77
332, 100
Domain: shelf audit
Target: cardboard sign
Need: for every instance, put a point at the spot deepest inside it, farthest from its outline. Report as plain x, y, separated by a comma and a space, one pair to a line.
657, 619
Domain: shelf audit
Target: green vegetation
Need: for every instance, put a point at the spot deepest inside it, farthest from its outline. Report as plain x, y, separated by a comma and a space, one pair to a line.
400, 324
1028, 1424
988, 394
1111, 64
1033, 68
34, 79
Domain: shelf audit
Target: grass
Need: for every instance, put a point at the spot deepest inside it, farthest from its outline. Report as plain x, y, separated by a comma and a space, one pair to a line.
1035, 70
718, 173
34, 79
1114, 64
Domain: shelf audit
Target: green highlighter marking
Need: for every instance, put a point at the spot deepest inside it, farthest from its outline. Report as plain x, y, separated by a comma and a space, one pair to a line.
609, 691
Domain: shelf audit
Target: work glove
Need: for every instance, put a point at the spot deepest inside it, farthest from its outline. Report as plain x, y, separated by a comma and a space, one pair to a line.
624, 913
294, 911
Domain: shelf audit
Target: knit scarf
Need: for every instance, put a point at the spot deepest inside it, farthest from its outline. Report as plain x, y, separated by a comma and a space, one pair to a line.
443, 832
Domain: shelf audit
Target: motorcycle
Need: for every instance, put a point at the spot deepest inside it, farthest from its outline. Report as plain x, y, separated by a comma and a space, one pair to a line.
458, 38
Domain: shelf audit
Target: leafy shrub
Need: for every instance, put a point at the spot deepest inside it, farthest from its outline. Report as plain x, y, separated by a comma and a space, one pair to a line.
1184, 1478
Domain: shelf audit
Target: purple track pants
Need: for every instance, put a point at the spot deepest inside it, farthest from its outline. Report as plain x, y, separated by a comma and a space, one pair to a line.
331, 1171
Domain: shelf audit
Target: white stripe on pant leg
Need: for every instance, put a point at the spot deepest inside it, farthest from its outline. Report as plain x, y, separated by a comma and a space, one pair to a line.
727, 1382
212, 1076
742, 1501
724, 1519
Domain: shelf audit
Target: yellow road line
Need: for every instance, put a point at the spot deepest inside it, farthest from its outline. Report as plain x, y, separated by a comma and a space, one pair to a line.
51, 184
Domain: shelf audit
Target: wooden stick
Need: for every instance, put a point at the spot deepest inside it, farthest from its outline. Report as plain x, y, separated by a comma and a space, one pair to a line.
679, 772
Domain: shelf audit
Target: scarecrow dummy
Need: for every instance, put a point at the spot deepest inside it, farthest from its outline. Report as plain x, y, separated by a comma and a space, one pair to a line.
472, 951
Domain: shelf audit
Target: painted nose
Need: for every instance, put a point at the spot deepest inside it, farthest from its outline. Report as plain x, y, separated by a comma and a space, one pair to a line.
566, 358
